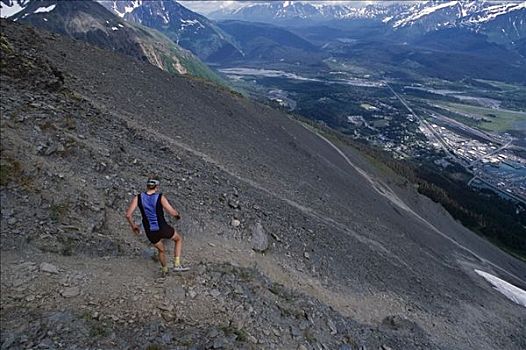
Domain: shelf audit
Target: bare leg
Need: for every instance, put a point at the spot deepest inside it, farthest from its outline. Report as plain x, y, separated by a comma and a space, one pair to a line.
178, 244
160, 247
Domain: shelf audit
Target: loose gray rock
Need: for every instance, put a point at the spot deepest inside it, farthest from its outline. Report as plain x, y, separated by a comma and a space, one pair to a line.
49, 268
176, 292
168, 316
166, 338
219, 343
234, 204
235, 222
215, 293
9, 340
192, 293
212, 334
259, 238
295, 332
332, 327
70, 292
165, 307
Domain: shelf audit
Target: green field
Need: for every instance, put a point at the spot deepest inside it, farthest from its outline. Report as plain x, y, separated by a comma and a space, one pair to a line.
500, 119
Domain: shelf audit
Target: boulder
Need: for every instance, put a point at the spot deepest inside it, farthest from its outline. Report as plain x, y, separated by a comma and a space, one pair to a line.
49, 268
259, 238
70, 292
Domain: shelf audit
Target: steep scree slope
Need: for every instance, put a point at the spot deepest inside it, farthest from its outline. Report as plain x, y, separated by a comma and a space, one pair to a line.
356, 257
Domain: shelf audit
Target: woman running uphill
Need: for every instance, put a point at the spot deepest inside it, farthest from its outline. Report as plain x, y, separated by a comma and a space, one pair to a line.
152, 206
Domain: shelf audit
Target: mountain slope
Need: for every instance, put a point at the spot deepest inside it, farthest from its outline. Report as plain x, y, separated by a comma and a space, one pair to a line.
366, 261
265, 42
187, 28
91, 22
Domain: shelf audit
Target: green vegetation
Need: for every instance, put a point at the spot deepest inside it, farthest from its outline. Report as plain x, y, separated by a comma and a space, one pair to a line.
97, 328
11, 171
347, 66
73, 95
154, 347
5, 45
199, 69
486, 118
281, 291
171, 54
309, 336
245, 274
68, 245
497, 84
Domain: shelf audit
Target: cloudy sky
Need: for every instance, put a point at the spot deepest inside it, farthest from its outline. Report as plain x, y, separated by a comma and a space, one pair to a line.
206, 7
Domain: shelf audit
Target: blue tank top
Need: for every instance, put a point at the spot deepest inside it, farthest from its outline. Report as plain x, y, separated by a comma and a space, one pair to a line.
152, 211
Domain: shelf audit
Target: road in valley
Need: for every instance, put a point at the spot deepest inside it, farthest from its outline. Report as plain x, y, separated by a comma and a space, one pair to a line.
444, 145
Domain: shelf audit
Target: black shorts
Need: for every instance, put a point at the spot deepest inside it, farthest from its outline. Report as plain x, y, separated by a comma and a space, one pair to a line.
166, 231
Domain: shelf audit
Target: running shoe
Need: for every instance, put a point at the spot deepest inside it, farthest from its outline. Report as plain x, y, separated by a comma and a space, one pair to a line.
180, 268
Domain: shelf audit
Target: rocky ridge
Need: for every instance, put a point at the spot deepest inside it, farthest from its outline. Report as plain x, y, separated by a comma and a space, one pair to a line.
191, 30
91, 22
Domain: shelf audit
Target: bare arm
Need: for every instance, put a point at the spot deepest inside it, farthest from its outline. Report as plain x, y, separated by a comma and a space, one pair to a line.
129, 216
166, 205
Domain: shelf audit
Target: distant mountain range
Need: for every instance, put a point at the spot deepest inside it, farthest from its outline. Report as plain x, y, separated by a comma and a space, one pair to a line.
91, 22
503, 21
213, 42
449, 39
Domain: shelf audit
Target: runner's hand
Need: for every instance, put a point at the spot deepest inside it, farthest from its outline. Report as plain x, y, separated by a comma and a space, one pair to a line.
136, 229
177, 217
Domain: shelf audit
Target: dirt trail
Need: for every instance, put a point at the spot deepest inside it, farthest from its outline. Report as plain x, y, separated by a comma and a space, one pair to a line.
105, 301
370, 242
105, 278
367, 307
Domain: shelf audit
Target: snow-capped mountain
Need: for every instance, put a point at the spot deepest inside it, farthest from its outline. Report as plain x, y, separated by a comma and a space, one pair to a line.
187, 28
9, 8
89, 21
122, 8
282, 11
502, 21
437, 14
